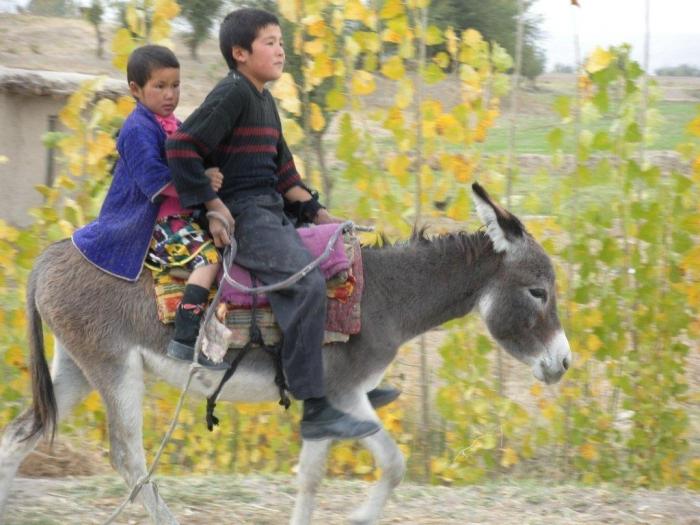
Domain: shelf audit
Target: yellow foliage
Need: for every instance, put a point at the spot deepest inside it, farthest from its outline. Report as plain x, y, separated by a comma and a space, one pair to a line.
315, 26
509, 458
363, 83
289, 9
392, 9
589, 452
167, 8
472, 38
285, 90
355, 10
389, 35
93, 402
7, 232
14, 356
317, 120
598, 60
393, 68
314, 47
536, 390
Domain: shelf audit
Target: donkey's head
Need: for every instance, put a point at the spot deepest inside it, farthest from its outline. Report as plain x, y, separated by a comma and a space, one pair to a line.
519, 305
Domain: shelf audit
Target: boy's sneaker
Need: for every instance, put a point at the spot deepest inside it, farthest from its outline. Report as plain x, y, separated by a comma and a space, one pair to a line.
184, 352
380, 397
322, 421
187, 320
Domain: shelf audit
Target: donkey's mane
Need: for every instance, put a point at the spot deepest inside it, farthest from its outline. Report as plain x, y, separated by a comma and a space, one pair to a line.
472, 244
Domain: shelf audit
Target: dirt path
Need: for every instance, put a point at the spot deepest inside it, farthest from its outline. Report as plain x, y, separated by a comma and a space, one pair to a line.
257, 500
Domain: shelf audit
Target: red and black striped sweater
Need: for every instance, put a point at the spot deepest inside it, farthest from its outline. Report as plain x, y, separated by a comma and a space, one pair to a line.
237, 128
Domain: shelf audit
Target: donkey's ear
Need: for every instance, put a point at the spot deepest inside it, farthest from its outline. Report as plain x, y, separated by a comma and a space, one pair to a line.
502, 227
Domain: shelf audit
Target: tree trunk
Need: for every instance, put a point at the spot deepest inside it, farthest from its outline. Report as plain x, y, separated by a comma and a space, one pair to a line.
326, 180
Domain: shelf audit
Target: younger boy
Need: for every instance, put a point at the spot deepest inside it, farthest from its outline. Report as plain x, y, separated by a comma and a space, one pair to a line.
237, 128
141, 220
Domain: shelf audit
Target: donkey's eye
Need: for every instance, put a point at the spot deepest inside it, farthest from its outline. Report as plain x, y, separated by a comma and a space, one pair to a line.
539, 293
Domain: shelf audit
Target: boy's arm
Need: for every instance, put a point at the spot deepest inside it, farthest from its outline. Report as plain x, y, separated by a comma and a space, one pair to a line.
197, 138
138, 150
290, 185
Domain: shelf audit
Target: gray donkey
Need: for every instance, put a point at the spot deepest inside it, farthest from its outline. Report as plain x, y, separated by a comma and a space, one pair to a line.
108, 335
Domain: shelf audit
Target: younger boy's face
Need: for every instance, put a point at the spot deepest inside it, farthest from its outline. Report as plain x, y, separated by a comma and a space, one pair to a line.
161, 93
265, 61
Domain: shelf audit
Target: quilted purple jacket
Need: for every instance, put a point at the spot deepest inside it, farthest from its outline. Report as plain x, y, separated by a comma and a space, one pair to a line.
117, 241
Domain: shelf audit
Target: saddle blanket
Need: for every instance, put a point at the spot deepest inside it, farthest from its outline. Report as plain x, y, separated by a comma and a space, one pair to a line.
344, 280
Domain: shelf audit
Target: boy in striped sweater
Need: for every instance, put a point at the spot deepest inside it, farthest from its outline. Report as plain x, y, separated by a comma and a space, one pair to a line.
237, 128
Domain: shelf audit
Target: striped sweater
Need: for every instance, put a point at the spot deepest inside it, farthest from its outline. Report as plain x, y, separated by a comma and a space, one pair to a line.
237, 128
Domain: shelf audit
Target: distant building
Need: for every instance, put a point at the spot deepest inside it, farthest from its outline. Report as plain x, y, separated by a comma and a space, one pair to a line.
30, 101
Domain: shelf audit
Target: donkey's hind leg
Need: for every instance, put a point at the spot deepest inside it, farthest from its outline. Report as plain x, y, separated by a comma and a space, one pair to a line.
70, 387
389, 458
312, 467
121, 387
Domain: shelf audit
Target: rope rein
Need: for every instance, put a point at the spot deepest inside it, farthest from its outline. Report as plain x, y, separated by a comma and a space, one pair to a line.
229, 256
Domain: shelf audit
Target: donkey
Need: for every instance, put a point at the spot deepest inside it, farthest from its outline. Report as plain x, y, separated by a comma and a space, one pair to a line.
108, 335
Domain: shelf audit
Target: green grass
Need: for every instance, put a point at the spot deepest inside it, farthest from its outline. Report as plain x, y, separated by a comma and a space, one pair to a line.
532, 130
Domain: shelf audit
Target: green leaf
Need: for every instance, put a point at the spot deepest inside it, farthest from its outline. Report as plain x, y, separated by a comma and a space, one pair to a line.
632, 133
555, 138
433, 73
562, 105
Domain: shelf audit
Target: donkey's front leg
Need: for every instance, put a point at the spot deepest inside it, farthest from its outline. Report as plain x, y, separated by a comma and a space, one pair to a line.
70, 387
312, 468
389, 458
121, 387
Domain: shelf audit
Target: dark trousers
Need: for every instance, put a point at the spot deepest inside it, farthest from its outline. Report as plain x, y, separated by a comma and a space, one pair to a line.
270, 247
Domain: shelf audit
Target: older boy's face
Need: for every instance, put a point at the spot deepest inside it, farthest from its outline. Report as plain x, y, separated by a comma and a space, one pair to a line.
266, 60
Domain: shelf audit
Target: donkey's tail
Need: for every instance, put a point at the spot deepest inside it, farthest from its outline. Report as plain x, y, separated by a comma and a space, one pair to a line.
44, 400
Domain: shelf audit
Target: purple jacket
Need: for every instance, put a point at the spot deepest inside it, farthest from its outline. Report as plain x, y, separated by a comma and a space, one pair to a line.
117, 241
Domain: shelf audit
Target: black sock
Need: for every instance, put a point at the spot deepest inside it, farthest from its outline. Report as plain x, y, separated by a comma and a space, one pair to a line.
195, 294
314, 406
189, 314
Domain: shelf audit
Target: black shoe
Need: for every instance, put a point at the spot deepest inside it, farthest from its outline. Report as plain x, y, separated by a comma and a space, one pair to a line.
185, 352
323, 421
380, 397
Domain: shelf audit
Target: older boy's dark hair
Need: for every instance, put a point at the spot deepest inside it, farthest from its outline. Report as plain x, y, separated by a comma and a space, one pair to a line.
240, 27
143, 60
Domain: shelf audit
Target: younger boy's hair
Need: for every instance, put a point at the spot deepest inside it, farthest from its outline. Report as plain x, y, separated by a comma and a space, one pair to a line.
240, 28
143, 60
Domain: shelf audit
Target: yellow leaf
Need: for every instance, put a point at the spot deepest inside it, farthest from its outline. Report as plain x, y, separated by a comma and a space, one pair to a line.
314, 47
536, 390
389, 35
451, 41
509, 458
354, 10
3, 159
285, 90
315, 25
588, 451
316, 119
14, 356
125, 105
599, 60
393, 68
167, 8
293, 134
363, 83
392, 9
7, 232
398, 167
134, 19
471, 37
593, 343
93, 403
289, 9
694, 127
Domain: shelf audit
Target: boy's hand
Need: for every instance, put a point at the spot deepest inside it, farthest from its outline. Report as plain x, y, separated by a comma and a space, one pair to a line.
221, 223
323, 217
215, 176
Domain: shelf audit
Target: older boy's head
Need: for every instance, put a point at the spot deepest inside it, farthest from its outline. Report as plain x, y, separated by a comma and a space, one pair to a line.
240, 28
145, 59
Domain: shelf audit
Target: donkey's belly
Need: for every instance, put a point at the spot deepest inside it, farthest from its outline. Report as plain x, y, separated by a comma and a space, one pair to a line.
253, 381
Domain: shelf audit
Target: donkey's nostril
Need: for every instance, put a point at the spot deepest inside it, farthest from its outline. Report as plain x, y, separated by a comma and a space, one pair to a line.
565, 363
